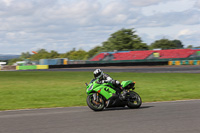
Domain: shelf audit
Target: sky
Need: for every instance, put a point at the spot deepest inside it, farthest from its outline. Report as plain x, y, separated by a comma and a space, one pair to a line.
61, 25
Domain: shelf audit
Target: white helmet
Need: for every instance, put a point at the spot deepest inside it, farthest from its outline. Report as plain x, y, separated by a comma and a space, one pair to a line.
98, 73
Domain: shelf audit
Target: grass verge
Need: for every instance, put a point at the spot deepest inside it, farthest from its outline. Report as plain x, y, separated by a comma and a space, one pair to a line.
34, 89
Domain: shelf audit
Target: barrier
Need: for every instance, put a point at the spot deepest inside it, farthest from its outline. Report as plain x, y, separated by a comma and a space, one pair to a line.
177, 63
191, 62
42, 66
170, 63
26, 67
195, 62
59, 61
184, 62
32, 67
65, 62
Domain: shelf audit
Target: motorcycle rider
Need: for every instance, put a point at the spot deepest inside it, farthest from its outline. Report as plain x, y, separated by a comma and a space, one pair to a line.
105, 78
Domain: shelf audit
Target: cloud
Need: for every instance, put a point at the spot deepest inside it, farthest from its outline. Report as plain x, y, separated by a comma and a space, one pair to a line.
168, 6
113, 9
63, 24
190, 36
7, 2
197, 4
191, 39
141, 3
185, 32
189, 17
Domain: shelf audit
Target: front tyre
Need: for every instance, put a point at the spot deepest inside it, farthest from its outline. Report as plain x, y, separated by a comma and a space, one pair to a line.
95, 105
135, 101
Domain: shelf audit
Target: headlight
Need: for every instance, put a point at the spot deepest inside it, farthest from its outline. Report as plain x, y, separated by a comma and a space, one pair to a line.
91, 87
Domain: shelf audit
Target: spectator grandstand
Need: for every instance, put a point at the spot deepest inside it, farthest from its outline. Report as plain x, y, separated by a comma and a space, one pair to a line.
99, 57
132, 55
124, 58
147, 54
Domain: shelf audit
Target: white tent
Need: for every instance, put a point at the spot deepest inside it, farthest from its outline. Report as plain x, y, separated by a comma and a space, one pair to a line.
2, 63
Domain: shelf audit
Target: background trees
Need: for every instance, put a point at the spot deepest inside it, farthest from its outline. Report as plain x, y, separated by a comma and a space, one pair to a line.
124, 39
178, 43
76, 55
25, 55
166, 44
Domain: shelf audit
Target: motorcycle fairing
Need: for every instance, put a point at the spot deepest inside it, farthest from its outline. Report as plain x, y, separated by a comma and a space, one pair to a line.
102, 89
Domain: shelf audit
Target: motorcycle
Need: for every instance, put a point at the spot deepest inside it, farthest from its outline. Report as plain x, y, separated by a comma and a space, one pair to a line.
100, 96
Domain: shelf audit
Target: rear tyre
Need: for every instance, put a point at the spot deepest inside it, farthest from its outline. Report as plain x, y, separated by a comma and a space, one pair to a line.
94, 105
135, 101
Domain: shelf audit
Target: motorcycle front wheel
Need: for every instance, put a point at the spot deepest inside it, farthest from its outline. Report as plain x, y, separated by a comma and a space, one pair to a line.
135, 101
94, 104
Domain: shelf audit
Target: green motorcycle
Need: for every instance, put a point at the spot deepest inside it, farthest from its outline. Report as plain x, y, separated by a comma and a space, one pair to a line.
104, 95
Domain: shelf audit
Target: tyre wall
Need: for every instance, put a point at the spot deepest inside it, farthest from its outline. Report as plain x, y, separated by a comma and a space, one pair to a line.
184, 62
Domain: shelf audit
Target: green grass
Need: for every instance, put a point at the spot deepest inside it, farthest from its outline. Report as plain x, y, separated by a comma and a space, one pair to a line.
22, 90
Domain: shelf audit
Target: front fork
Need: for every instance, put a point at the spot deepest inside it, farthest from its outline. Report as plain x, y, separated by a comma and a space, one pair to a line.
96, 96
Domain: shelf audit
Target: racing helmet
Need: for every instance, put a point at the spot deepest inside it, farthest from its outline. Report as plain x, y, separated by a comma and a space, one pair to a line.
98, 73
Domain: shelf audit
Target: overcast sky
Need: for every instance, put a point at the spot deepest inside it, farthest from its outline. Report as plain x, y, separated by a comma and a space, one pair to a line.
61, 25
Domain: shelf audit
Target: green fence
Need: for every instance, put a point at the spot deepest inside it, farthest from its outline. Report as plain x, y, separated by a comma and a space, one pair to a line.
32, 67
26, 67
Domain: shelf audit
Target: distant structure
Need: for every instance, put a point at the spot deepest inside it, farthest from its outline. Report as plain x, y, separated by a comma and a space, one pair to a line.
2, 63
147, 54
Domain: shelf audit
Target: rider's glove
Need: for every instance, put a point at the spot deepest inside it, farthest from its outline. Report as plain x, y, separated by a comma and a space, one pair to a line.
115, 82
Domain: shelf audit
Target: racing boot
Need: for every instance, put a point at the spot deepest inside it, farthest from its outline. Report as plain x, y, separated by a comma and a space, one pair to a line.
107, 103
123, 95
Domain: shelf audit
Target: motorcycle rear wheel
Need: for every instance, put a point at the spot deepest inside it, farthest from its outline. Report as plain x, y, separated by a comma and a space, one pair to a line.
94, 105
136, 102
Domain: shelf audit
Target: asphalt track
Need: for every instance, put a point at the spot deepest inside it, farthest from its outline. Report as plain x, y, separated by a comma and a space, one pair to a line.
137, 69
161, 117
145, 69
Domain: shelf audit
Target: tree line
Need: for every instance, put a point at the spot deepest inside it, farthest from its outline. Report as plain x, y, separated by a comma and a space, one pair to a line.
121, 40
